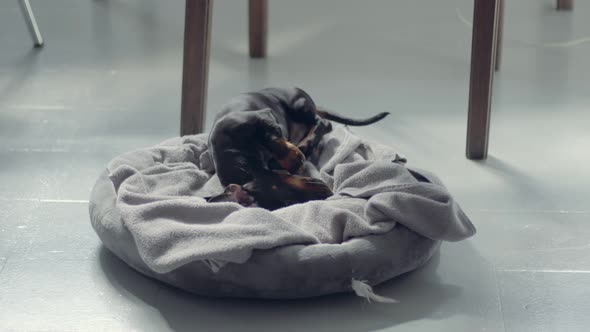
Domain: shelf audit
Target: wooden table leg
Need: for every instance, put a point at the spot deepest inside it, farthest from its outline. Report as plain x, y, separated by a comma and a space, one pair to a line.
258, 27
195, 70
482, 75
565, 4
499, 35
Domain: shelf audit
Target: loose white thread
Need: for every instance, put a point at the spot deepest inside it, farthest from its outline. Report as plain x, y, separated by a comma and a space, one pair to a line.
362, 289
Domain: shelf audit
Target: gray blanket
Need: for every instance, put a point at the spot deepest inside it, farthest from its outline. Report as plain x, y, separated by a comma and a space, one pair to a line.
160, 198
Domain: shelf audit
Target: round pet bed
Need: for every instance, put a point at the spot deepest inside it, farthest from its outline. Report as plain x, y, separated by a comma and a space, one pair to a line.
385, 219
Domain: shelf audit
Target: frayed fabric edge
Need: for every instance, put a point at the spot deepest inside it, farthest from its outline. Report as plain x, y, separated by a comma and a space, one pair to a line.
214, 265
360, 287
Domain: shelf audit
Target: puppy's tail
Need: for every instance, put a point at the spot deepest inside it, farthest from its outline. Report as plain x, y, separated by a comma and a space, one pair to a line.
351, 122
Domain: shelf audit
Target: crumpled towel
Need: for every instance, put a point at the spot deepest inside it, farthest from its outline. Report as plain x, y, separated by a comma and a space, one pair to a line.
160, 194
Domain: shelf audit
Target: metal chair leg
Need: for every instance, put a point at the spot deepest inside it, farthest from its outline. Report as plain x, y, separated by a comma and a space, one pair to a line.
27, 11
499, 34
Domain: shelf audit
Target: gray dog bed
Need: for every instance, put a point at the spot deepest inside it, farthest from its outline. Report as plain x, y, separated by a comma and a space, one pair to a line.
385, 219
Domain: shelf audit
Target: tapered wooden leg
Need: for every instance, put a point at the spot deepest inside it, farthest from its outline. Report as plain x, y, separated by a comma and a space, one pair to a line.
258, 27
499, 35
565, 4
195, 70
482, 75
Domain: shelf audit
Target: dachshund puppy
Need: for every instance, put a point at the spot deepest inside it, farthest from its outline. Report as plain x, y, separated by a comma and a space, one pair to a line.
260, 141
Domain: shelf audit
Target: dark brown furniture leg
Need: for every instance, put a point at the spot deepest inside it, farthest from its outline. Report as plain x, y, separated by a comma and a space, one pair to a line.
195, 70
482, 75
258, 27
565, 4
499, 34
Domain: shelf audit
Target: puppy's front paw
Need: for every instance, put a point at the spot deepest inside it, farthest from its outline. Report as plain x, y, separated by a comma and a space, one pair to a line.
293, 160
235, 193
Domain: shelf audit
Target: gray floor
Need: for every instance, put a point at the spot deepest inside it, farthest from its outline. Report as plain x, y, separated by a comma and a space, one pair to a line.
108, 80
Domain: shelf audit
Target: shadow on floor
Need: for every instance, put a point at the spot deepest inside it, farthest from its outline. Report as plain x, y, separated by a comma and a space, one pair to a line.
421, 295
22, 69
537, 191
